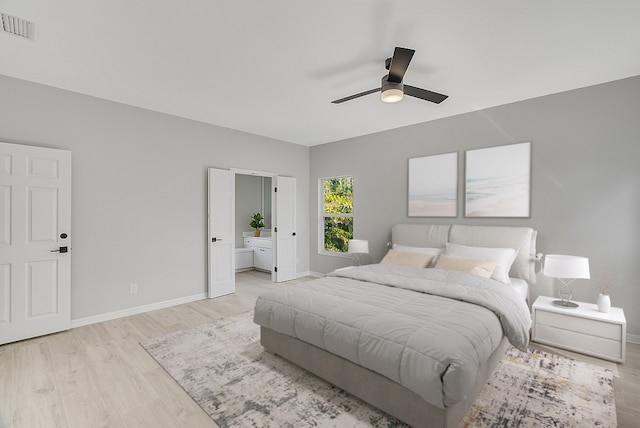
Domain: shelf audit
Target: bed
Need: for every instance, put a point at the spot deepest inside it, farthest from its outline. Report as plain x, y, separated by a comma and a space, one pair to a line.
417, 341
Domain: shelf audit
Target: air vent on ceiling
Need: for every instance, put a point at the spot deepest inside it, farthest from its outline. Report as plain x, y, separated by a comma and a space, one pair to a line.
17, 26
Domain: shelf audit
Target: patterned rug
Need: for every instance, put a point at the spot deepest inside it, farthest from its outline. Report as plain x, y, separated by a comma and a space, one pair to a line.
223, 367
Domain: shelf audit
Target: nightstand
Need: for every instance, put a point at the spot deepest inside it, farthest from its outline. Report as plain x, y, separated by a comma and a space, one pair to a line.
583, 329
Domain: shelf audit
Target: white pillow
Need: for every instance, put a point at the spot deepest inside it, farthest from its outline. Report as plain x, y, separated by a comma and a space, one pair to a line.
420, 250
504, 257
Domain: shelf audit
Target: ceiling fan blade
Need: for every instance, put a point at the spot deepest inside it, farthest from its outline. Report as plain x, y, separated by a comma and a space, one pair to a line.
351, 97
434, 97
399, 63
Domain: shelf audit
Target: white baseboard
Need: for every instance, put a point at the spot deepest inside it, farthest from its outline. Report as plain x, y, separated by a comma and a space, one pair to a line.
633, 338
308, 273
153, 306
134, 311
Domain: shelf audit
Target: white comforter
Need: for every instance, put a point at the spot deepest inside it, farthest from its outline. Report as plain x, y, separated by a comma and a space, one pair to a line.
426, 329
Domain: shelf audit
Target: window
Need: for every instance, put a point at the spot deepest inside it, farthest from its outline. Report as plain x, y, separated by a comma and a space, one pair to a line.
336, 211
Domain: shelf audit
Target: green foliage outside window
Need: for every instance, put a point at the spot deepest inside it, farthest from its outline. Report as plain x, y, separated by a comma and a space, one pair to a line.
338, 213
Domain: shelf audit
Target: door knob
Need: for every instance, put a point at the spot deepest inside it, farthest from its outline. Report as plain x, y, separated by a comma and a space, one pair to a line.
61, 250
215, 239
293, 234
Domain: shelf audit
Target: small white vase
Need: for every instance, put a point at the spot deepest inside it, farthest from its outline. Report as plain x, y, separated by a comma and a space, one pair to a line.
604, 302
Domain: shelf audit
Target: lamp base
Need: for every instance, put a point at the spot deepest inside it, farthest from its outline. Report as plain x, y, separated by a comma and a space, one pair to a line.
356, 259
565, 304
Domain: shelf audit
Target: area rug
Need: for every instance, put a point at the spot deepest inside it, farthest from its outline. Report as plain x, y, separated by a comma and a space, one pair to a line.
223, 367
540, 389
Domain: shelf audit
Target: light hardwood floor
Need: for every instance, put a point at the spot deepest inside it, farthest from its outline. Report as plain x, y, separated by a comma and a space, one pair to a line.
99, 375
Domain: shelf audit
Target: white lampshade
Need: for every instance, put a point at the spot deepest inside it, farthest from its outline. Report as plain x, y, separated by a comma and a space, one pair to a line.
559, 266
358, 246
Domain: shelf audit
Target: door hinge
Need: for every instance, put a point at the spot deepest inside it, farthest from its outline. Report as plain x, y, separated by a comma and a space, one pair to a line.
275, 189
275, 229
275, 268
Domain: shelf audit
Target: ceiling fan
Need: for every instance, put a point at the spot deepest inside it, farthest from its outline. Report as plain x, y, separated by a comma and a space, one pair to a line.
392, 88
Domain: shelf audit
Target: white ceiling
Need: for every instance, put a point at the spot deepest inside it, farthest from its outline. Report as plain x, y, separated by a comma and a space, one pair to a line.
272, 67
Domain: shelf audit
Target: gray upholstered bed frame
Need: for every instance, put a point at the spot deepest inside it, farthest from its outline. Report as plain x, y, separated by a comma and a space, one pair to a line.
381, 391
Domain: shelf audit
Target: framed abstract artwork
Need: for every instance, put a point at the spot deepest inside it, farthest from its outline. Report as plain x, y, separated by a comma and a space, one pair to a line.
433, 186
498, 181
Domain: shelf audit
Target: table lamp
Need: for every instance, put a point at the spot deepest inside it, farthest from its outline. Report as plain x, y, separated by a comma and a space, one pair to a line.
566, 269
358, 247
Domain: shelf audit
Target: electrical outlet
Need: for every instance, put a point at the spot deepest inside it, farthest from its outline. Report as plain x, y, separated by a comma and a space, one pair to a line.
133, 288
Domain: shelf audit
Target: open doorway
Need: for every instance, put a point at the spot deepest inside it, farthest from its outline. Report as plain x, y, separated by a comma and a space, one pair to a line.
224, 237
254, 250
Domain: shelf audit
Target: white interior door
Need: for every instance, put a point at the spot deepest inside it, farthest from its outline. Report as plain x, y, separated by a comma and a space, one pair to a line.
35, 242
222, 199
284, 217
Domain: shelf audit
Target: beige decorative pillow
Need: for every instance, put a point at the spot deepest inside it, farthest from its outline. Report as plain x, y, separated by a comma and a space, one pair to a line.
422, 250
401, 258
480, 267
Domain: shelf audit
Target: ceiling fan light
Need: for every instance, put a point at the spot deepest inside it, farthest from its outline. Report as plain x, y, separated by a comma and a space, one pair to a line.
392, 95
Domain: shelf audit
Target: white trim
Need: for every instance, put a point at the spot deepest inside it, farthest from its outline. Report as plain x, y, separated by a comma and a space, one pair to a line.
136, 310
308, 273
335, 254
253, 172
633, 338
316, 274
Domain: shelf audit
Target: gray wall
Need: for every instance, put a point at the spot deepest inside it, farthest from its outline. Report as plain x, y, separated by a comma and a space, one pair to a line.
139, 190
585, 180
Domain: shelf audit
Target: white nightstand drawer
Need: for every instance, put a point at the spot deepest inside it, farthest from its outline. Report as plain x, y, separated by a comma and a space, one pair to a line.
580, 325
579, 342
583, 329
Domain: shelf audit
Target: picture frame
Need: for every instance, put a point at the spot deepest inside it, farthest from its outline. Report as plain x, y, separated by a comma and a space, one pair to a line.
498, 181
433, 186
